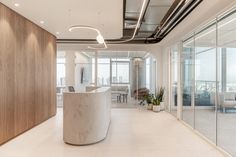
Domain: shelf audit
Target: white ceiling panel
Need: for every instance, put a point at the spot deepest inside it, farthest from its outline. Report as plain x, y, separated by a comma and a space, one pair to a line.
59, 15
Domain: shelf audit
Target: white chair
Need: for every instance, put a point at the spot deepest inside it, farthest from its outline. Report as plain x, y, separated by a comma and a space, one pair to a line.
228, 100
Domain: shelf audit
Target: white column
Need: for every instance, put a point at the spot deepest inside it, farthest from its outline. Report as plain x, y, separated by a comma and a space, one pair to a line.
70, 68
96, 68
180, 83
169, 76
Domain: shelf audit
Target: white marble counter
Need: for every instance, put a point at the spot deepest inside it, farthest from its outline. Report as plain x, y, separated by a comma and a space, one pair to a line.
86, 116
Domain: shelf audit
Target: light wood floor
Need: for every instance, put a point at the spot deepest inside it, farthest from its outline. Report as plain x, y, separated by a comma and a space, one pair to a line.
133, 133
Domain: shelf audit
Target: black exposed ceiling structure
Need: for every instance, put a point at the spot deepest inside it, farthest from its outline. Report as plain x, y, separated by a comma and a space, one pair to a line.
157, 21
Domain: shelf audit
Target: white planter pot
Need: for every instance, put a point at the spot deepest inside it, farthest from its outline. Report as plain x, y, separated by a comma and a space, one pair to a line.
149, 106
156, 108
162, 104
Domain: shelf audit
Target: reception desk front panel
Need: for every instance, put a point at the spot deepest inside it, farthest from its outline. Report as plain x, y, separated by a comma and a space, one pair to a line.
86, 116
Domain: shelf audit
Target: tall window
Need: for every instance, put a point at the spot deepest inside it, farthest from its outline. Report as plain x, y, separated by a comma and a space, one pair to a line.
103, 70
61, 71
120, 70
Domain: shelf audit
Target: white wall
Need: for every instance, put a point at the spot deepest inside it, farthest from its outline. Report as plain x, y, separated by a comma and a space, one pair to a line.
74, 62
156, 51
166, 74
70, 68
82, 61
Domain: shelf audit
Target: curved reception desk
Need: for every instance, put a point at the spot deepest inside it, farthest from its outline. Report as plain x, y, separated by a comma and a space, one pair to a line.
86, 116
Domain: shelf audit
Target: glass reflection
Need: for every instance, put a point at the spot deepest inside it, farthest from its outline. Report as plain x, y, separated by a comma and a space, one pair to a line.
205, 82
174, 80
209, 82
227, 86
188, 78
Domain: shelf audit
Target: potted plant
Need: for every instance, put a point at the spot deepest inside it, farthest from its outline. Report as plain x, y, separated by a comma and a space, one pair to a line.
148, 99
160, 97
156, 104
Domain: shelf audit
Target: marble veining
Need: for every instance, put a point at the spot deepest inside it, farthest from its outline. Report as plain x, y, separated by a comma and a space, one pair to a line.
86, 116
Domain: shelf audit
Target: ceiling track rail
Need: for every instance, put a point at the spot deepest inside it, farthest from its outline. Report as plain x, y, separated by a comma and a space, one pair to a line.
178, 17
84, 41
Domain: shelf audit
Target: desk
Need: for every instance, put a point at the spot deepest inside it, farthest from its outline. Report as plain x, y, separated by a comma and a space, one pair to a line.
86, 116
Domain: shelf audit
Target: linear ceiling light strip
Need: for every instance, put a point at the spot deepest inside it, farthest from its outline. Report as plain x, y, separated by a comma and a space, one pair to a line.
99, 37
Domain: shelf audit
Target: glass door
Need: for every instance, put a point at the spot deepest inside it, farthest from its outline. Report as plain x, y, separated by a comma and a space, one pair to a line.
174, 80
226, 128
188, 82
205, 81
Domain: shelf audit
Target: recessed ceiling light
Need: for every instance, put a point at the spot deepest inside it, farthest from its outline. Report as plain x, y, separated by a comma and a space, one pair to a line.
57, 33
16, 4
42, 22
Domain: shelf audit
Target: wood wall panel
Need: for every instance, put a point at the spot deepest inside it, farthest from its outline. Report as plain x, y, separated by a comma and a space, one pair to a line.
7, 55
27, 74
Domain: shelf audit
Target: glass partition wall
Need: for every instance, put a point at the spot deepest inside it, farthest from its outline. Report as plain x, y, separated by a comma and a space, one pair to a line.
188, 81
226, 130
61, 73
209, 81
174, 79
130, 74
84, 64
205, 81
